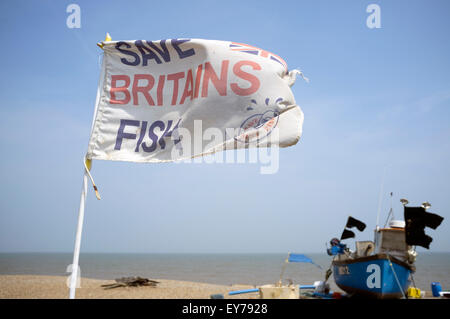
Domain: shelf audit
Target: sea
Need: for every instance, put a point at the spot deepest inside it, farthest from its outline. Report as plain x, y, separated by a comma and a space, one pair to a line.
223, 269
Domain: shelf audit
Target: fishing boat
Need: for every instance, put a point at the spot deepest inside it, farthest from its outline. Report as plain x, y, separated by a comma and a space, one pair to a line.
382, 268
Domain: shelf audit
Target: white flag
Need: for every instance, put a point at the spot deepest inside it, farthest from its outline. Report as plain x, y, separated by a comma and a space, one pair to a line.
174, 99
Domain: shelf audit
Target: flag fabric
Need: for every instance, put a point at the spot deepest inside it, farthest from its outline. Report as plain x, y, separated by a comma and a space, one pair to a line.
234, 46
416, 219
300, 258
347, 234
168, 100
353, 222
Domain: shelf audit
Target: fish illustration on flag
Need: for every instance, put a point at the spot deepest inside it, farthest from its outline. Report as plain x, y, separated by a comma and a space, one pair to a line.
242, 47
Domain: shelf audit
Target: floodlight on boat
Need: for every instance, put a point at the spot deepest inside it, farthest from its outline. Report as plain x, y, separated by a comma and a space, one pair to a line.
404, 201
397, 224
426, 205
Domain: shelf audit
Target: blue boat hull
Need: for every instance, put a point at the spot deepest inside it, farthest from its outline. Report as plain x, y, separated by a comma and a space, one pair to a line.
373, 276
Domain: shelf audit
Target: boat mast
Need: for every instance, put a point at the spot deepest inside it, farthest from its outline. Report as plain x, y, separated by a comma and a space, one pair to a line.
390, 214
379, 199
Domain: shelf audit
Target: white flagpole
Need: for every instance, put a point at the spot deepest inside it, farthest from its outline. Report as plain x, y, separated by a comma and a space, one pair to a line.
76, 252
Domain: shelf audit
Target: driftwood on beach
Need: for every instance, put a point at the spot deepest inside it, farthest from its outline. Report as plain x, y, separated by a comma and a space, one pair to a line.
131, 282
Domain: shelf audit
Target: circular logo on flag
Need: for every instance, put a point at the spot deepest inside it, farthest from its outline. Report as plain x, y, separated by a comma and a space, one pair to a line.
257, 126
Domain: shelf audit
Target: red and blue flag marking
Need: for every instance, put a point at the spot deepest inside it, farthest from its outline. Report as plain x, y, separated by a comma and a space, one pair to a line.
241, 47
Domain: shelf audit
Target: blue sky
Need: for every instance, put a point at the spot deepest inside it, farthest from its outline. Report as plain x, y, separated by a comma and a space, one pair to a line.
378, 100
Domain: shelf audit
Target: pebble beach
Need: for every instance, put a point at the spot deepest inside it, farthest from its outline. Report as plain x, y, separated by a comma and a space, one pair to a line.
55, 287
